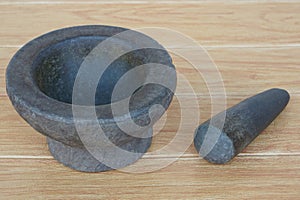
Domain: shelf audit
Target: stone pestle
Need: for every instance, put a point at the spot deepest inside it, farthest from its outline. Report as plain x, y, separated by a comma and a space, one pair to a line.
225, 135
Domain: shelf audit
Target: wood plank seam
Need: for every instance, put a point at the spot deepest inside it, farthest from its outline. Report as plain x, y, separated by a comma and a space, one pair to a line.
191, 156
38, 2
208, 47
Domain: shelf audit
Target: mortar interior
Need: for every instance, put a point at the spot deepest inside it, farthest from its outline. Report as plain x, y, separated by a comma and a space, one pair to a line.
57, 66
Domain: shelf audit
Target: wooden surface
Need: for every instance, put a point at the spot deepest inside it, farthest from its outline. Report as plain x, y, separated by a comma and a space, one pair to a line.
256, 46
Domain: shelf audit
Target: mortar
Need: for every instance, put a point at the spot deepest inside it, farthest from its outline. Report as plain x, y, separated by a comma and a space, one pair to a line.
40, 80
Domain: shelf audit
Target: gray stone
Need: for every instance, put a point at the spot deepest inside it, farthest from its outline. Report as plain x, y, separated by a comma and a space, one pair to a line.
40, 79
243, 123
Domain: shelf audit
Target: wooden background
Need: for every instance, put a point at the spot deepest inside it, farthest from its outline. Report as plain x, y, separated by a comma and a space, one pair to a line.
256, 46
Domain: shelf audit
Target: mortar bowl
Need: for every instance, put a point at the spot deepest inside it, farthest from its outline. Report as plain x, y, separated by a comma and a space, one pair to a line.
40, 81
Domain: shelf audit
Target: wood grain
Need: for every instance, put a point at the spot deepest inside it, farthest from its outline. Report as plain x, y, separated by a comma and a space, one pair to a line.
240, 23
255, 177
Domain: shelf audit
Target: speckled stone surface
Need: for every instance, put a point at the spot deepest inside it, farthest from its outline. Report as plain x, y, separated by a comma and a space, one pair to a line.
40, 79
80, 159
243, 123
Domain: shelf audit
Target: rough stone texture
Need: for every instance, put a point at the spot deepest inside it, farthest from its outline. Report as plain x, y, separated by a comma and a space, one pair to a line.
243, 123
40, 79
80, 159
